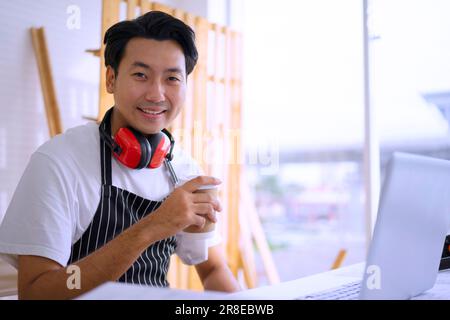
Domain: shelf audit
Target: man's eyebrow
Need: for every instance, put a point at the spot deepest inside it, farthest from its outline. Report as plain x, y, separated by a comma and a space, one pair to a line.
175, 70
146, 66
140, 64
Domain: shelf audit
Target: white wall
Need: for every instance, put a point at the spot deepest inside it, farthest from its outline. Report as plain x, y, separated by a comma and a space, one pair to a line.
23, 125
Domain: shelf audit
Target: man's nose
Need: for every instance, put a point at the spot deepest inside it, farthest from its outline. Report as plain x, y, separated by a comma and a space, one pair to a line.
155, 91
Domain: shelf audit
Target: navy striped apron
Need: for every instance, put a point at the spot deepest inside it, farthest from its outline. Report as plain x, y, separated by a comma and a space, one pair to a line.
118, 210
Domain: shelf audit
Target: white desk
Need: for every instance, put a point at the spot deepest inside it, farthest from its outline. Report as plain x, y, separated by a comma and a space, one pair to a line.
282, 291
331, 279
122, 291
8, 280
292, 289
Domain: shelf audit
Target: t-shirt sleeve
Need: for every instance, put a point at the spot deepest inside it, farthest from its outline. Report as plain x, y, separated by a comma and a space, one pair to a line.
192, 248
39, 219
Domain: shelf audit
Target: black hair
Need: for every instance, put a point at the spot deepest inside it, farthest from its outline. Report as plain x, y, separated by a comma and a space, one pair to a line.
154, 25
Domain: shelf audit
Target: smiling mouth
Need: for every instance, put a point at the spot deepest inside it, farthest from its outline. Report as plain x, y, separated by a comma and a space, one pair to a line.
152, 112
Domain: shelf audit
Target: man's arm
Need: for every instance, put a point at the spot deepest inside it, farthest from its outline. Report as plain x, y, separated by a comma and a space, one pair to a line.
42, 278
215, 273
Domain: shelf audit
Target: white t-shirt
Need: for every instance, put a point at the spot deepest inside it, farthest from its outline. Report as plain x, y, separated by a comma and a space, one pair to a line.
58, 194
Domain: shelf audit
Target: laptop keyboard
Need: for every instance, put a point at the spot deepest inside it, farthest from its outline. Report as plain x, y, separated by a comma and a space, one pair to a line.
349, 291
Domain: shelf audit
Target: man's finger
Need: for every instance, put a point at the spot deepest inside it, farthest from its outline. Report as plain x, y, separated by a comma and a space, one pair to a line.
200, 181
207, 198
211, 217
203, 208
199, 221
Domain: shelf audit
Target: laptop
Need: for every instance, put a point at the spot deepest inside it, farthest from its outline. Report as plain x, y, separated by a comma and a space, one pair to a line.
412, 222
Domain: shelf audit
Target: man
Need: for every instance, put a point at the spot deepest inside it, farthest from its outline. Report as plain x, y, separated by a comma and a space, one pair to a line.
78, 205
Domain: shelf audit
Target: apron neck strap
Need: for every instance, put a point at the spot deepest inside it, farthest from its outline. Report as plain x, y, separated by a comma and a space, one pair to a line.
105, 150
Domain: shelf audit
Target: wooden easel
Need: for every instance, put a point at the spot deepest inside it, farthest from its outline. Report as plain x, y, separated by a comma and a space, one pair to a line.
47, 85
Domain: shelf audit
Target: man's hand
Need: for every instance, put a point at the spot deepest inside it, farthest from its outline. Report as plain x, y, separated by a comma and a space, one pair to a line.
184, 207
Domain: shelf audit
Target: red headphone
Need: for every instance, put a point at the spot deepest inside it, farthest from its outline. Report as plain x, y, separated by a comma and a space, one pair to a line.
135, 150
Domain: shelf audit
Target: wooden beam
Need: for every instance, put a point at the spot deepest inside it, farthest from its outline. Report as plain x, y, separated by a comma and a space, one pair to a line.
131, 9
259, 236
110, 15
145, 6
179, 14
339, 259
200, 80
234, 159
247, 254
161, 7
47, 84
183, 271
95, 52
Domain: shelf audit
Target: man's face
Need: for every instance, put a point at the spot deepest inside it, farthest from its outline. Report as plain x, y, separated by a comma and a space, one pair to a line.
150, 87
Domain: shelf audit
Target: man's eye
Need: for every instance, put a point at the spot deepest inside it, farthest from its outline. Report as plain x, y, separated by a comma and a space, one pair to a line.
174, 79
139, 75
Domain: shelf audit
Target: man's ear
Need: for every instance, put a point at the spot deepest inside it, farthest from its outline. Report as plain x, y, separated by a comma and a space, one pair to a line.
110, 79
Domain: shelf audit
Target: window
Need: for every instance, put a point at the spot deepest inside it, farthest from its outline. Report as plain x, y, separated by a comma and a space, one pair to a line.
410, 76
303, 115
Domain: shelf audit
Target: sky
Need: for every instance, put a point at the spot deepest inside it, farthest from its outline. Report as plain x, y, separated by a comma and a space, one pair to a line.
303, 71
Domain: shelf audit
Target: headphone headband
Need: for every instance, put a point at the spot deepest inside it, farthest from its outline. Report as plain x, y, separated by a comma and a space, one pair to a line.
169, 155
135, 150
110, 142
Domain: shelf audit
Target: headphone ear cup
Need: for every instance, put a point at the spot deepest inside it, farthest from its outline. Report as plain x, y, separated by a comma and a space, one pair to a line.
160, 146
145, 148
